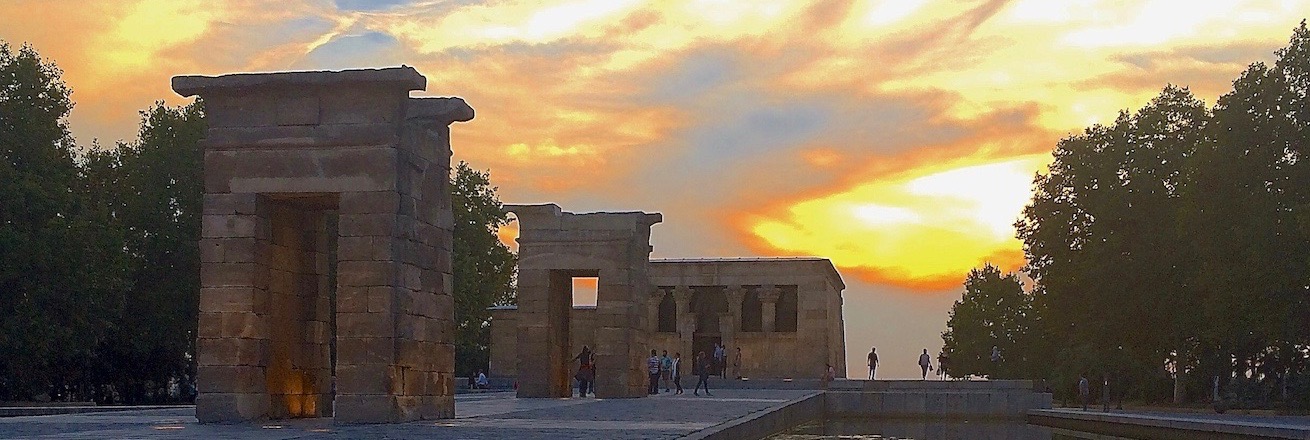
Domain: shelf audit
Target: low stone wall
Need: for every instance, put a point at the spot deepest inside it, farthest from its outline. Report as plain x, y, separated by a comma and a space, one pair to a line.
886, 399
1165, 427
937, 399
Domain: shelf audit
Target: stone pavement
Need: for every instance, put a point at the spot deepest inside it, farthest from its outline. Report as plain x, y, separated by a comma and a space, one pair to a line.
479, 416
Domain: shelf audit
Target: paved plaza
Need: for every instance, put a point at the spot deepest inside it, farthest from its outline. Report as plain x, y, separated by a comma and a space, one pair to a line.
478, 416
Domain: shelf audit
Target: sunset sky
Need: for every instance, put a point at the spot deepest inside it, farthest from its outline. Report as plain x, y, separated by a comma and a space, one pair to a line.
897, 138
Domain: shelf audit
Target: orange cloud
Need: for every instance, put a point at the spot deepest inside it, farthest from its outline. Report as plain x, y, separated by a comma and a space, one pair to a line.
923, 227
649, 105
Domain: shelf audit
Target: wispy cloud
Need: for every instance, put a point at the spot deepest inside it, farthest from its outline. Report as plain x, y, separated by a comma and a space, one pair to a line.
894, 136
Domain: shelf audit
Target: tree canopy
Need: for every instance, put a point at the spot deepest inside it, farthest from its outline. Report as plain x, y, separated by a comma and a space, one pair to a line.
1172, 246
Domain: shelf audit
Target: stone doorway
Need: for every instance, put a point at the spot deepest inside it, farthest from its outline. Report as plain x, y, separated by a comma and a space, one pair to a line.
702, 342
301, 290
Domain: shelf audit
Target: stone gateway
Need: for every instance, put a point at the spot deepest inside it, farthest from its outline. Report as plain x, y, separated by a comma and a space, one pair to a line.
326, 247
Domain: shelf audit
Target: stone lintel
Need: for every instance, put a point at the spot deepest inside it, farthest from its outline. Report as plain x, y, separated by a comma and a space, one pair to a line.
402, 77
550, 216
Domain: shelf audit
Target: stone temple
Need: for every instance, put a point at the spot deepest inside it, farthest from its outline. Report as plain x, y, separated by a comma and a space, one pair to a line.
326, 285
784, 313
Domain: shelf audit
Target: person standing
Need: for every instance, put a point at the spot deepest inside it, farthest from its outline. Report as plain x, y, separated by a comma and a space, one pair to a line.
653, 367
941, 364
666, 367
677, 372
720, 355
873, 361
736, 364
829, 374
925, 363
702, 370
1084, 390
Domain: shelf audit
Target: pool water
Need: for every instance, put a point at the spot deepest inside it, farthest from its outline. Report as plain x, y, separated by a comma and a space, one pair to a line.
921, 429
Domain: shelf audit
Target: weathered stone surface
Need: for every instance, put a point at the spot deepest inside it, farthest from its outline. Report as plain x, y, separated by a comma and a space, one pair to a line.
226, 407
439, 111
400, 78
294, 162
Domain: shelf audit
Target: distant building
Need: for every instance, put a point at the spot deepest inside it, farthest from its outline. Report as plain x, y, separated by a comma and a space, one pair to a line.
785, 314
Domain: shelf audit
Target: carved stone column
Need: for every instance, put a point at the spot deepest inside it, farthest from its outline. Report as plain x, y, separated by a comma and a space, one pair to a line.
686, 319
653, 308
730, 321
768, 306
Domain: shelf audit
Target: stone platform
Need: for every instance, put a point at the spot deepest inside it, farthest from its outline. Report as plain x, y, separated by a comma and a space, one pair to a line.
478, 416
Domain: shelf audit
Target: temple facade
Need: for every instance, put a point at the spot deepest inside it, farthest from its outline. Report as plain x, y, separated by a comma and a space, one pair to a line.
785, 314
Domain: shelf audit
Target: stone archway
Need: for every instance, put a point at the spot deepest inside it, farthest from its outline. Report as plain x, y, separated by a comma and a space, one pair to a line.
301, 167
555, 246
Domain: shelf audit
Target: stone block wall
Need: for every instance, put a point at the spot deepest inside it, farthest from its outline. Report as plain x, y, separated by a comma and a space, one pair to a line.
286, 153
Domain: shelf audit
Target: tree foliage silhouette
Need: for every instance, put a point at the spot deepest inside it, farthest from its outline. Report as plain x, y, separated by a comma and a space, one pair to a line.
1175, 243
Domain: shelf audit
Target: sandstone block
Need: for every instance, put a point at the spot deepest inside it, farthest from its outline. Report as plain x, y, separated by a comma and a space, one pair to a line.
222, 226
233, 275
230, 379
365, 325
355, 379
231, 351
365, 273
354, 225
231, 407
293, 109
230, 204
366, 408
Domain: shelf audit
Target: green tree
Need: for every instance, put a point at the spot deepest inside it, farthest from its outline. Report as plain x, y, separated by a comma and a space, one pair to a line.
153, 186
993, 311
1103, 243
1251, 201
482, 266
59, 264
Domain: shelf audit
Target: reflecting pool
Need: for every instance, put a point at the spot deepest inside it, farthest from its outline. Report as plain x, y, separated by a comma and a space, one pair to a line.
921, 429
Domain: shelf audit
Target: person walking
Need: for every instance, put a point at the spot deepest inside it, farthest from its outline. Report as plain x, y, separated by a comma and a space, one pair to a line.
1084, 390
702, 369
586, 375
666, 367
653, 367
873, 361
941, 364
677, 372
736, 364
925, 363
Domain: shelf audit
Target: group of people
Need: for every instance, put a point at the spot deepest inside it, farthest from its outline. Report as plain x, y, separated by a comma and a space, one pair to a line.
478, 380
925, 363
664, 370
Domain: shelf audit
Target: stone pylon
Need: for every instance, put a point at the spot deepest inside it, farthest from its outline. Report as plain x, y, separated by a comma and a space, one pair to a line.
326, 236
